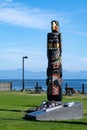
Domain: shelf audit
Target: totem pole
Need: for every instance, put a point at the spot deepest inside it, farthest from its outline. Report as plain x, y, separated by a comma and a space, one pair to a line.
54, 70
54, 109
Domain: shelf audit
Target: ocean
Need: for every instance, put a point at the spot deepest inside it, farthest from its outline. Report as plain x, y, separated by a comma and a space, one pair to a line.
30, 84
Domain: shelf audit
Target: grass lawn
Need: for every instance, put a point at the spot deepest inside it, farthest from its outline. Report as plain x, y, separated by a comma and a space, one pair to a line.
13, 106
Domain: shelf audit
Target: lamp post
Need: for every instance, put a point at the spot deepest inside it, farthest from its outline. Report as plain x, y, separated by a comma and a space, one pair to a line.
24, 57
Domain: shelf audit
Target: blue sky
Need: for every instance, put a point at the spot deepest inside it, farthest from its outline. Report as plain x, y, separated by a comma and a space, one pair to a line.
24, 25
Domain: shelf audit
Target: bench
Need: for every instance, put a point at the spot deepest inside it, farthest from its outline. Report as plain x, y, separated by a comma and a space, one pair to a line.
38, 89
70, 91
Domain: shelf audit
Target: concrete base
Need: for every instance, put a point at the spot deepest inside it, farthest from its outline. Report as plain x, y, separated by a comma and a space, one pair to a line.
71, 110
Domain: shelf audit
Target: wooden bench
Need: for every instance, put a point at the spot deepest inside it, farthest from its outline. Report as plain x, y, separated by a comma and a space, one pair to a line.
70, 91
38, 89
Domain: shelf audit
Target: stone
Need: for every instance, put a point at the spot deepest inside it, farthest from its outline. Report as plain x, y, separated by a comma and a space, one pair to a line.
67, 111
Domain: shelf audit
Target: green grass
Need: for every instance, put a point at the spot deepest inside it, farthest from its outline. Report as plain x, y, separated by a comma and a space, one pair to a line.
13, 106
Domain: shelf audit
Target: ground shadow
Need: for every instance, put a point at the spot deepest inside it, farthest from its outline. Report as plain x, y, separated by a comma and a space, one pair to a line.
12, 110
72, 122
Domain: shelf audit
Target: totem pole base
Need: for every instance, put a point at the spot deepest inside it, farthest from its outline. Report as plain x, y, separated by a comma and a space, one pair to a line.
67, 111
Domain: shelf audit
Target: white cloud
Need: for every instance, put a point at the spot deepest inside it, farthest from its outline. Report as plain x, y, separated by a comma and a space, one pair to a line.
84, 59
7, 3
79, 33
12, 59
74, 63
28, 17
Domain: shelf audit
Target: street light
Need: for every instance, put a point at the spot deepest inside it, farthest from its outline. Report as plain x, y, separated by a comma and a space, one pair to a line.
24, 57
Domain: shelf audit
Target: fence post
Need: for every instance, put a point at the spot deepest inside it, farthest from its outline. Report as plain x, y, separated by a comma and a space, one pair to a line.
66, 87
11, 86
82, 88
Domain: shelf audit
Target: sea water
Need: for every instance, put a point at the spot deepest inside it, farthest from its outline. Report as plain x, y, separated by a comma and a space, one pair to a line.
29, 84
